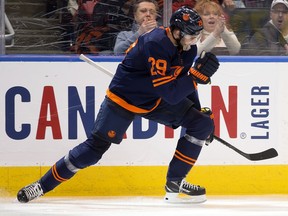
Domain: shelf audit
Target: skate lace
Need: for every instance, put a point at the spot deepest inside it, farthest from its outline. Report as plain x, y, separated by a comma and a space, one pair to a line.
189, 186
33, 191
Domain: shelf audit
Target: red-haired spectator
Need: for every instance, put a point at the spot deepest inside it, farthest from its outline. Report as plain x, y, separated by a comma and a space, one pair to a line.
215, 36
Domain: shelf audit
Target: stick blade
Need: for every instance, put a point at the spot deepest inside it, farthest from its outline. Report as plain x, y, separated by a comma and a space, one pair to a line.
267, 154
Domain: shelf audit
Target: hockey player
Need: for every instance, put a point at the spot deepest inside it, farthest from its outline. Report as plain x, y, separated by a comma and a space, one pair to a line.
156, 81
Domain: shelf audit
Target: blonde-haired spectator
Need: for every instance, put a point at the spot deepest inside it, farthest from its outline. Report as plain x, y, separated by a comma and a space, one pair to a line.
215, 36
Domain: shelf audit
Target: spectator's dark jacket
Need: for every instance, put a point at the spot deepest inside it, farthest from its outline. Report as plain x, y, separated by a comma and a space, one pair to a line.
268, 40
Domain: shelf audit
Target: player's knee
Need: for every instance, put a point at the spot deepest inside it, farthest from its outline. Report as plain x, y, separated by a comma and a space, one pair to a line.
201, 128
88, 153
98, 144
208, 125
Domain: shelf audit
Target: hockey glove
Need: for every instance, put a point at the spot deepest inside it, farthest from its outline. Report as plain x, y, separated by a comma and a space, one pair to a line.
205, 66
209, 112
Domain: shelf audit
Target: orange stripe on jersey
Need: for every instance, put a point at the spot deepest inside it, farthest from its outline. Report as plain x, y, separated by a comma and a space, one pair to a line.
56, 175
128, 106
178, 70
163, 80
166, 79
131, 46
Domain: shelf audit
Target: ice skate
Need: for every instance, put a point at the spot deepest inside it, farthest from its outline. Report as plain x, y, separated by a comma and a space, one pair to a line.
30, 192
184, 192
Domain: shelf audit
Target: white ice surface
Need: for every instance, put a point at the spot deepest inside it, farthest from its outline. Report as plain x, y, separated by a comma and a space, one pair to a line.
152, 206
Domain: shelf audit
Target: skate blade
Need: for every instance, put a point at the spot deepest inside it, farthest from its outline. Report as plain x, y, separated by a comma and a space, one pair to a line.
182, 198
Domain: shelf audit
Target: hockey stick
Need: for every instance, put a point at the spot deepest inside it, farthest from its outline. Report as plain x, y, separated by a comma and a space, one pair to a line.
267, 154
96, 65
270, 153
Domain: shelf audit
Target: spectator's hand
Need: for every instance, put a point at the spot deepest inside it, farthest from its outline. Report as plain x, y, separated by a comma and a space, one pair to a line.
73, 7
229, 4
147, 25
221, 23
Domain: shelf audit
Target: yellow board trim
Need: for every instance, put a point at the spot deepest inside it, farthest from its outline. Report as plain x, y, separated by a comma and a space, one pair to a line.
150, 180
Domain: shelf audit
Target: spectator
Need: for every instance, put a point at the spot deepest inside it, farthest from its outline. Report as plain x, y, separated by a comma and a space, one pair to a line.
285, 31
269, 40
245, 22
96, 24
215, 36
145, 15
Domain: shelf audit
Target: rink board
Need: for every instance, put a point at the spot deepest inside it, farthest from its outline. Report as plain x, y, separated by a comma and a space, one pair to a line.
150, 180
248, 97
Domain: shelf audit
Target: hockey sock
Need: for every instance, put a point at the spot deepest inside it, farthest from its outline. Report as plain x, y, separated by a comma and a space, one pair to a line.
57, 174
183, 160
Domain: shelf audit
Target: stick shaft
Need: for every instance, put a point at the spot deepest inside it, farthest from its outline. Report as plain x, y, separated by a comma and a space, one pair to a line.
96, 65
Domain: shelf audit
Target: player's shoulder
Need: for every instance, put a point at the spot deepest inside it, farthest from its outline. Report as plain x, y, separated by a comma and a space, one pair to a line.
158, 36
159, 30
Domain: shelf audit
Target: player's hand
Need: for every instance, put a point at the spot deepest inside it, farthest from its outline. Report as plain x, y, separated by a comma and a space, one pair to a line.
208, 111
205, 66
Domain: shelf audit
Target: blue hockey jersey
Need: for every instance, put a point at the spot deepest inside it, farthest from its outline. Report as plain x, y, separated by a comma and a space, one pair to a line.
152, 70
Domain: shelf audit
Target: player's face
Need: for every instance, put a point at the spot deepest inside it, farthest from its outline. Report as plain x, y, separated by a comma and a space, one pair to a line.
279, 16
189, 39
145, 11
